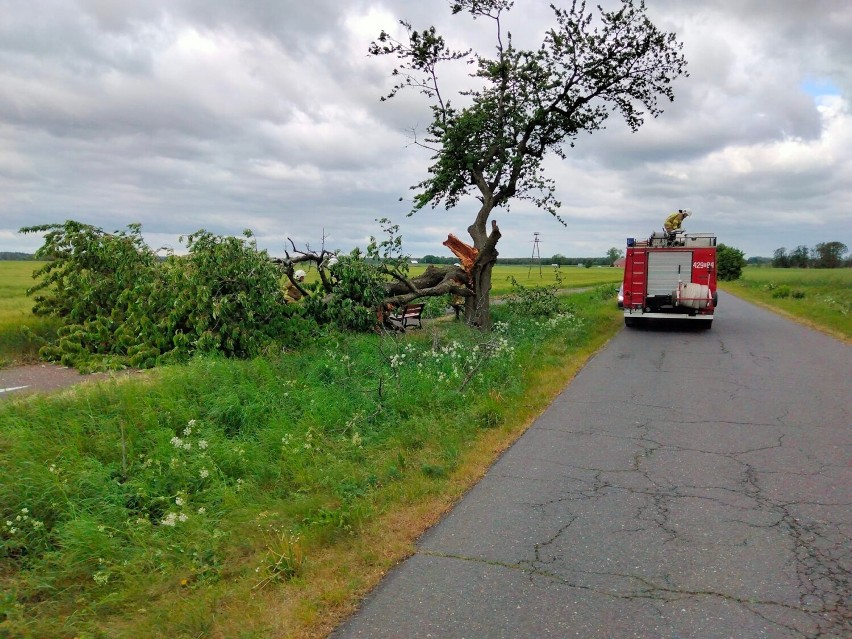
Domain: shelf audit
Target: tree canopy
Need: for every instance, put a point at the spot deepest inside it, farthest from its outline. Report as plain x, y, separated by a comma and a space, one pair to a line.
830, 254
613, 254
729, 262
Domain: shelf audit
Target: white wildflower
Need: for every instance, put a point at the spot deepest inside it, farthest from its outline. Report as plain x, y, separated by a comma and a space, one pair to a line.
179, 501
202, 444
204, 473
183, 517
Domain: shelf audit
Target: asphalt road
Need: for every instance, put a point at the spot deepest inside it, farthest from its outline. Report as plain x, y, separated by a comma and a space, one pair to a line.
44, 378
23, 380
687, 484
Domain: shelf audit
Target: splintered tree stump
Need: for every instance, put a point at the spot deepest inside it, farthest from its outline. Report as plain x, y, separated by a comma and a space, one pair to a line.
466, 253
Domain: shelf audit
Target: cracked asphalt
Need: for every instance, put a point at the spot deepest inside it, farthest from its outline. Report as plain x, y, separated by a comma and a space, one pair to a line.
686, 484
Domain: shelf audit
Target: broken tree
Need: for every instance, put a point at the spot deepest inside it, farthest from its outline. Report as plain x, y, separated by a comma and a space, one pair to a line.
524, 104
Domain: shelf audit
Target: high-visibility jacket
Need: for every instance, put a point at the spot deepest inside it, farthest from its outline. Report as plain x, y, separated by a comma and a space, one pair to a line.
673, 221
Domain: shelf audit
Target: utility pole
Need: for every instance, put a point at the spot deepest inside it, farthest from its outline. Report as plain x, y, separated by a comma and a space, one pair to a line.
536, 256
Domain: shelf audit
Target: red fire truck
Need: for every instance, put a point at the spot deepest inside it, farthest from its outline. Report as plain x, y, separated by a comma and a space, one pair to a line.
670, 277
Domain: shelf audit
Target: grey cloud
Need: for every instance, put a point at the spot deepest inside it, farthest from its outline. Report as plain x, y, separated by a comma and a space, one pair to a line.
111, 112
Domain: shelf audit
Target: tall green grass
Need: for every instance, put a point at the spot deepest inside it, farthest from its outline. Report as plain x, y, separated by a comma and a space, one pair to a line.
21, 332
819, 297
131, 507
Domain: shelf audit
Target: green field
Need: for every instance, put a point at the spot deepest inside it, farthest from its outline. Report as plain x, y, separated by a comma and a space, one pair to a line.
19, 328
821, 298
572, 277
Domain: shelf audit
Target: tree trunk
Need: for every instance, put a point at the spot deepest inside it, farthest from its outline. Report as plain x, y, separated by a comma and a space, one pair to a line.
432, 282
478, 308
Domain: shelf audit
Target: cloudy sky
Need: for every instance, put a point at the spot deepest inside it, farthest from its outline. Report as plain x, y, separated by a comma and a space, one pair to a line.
264, 114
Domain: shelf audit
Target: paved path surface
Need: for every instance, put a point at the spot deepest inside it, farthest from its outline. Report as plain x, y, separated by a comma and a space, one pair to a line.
685, 485
43, 378
21, 380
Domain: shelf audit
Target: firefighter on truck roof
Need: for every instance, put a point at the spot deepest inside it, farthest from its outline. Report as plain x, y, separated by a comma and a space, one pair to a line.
674, 221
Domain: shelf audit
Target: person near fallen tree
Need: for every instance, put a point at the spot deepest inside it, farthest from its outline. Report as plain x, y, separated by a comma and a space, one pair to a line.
293, 293
457, 304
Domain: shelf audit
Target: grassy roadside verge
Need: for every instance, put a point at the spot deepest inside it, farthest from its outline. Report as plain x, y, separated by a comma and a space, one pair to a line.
818, 298
263, 498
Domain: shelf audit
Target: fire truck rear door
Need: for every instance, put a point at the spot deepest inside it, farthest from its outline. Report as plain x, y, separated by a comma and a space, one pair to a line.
666, 268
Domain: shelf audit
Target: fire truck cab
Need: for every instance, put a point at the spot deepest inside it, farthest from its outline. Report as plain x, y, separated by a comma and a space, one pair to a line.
670, 277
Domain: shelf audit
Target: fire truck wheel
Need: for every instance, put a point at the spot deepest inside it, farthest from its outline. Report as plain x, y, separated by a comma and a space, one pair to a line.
631, 321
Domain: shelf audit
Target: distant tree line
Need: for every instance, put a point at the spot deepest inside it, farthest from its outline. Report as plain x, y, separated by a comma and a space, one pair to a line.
561, 260
823, 255
436, 259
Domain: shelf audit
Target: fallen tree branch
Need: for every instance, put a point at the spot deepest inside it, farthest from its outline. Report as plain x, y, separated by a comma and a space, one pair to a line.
399, 290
